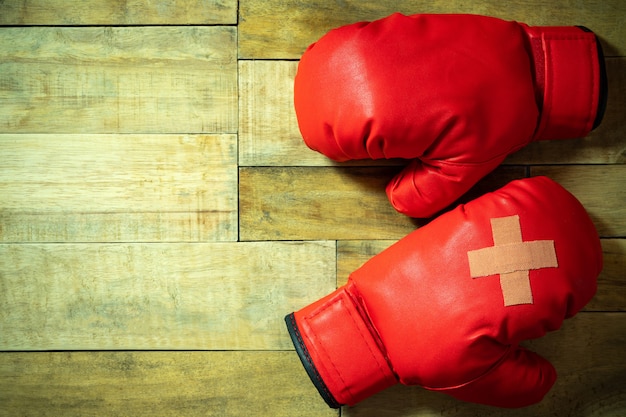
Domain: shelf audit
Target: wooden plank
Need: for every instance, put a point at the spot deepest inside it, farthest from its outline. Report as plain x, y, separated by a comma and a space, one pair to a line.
192, 226
611, 282
317, 203
601, 189
278, 203
118, 80
269, 134
352, 254
129, 12
158, 296
605, 145
157, 384
588, 353
283, 29
60, 188
268, 130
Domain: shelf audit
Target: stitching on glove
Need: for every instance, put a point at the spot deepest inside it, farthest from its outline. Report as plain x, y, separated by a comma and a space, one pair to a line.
321, 348
381, 368
549, 94
594, 75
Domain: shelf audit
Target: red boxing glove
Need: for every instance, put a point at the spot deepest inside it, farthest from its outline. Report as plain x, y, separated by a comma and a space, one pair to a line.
456, 93
447, 306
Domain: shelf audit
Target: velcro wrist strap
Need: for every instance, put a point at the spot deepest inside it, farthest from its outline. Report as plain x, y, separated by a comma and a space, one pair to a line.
338, 350
568, 75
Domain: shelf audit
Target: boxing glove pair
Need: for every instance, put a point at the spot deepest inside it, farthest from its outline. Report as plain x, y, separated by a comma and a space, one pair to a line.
447, 306
455, 94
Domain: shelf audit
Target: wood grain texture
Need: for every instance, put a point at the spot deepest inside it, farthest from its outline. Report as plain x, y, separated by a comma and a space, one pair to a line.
285, 203
352, 254
157, 296
268, 130
155, 226
611, 295
317, 203
587, 353
118, 80
117, 12
599, 188
62, 188
283, 29
224, 384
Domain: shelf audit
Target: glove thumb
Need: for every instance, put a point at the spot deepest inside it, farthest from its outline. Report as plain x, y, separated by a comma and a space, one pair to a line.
522, 378
423, 188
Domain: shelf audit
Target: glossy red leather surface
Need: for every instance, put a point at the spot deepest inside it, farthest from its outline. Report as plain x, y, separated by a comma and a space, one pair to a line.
456, 93
417, 306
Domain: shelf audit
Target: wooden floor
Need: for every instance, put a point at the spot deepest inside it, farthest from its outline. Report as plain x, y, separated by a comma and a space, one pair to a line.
159, 213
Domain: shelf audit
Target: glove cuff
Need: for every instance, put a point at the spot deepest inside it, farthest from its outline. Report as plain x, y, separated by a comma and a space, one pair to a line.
338, 350
570, 80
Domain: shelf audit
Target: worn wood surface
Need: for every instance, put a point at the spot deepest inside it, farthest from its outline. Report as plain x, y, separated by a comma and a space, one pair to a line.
117, 12
273, 383
220, 384
282, 29
339, 202
284, 203
118, 79
160, 214
157, 296
62, 188
318, 203
268, 130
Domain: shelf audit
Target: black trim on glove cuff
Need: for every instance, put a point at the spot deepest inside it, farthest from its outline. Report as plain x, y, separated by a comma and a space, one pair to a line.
307, 362
604, 83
